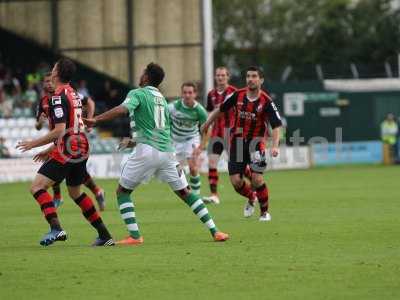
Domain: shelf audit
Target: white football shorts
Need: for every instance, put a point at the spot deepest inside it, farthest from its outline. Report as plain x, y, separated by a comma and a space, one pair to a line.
145, 162
184, 150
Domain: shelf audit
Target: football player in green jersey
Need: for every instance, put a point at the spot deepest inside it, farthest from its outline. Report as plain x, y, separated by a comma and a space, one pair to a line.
187, 115
153, 155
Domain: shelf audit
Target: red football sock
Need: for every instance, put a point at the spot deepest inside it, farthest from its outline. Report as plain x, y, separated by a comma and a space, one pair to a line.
56, 191
213, 180
88, 209
47, 206
263, 197
91, 214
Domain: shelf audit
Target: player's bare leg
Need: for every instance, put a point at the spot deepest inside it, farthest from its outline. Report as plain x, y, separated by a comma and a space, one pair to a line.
92, 216
97, 192
38, 189
247, 172
197, 206
258, 183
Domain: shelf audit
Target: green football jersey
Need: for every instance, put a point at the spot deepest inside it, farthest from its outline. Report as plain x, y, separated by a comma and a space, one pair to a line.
149, 113
186, 120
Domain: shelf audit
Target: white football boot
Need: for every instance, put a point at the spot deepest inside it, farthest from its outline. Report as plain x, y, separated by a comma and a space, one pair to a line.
248, 210
211, 199
265, 217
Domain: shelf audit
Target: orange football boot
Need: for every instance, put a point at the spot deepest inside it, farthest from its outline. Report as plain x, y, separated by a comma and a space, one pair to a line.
220, 236
130, 241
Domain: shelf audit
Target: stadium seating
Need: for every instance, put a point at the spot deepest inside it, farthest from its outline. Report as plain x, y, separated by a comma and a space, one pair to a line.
17, 129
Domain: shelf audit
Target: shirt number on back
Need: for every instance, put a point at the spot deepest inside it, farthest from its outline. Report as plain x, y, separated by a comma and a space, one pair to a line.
159, 113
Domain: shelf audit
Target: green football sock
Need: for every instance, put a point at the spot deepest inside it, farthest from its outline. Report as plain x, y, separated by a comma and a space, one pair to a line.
197, 206
127, 210
195, 184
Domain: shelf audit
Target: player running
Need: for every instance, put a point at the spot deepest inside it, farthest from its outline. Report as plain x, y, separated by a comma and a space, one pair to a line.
220, 129
153, 154
43, 114
187, 115
65, 159
254, 109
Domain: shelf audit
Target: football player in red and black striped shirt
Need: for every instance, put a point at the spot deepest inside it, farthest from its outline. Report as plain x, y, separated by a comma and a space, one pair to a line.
65, 159
254, 110
220, 128
42, 114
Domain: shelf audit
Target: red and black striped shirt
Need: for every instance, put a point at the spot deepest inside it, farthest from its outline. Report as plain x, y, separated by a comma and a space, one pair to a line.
43, 107
252, 115
214, 100
65, 106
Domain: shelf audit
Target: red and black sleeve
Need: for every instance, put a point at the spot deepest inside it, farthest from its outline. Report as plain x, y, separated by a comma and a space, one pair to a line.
210, 104
58, 109
273, 116
39, 110
229, 102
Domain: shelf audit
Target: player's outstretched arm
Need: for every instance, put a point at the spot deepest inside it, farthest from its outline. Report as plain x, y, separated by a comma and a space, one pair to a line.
106, 116
90, 108
43, 155
54, 134
211, 118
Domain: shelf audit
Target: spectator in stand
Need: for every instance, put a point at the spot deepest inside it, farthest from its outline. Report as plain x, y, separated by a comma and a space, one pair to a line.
11, 83
4, 152
33, 78
43, 68
2, 74
82, 88
108, 97
6, 106
30, 97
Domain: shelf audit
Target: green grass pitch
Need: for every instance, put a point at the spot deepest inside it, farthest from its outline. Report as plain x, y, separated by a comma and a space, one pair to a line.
335, 234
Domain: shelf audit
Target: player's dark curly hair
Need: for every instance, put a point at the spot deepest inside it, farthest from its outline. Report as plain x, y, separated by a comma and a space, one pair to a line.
66, 69
256, 69
155, 74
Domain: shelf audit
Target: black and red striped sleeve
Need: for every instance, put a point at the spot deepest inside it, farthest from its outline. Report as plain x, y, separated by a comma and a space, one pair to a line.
273, 116
229, 102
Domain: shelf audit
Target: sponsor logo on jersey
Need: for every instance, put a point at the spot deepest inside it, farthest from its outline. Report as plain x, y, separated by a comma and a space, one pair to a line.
58, 111
56, 100
247, 115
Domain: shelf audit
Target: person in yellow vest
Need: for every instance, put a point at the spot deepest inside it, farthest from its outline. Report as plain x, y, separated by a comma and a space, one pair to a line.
389, 130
